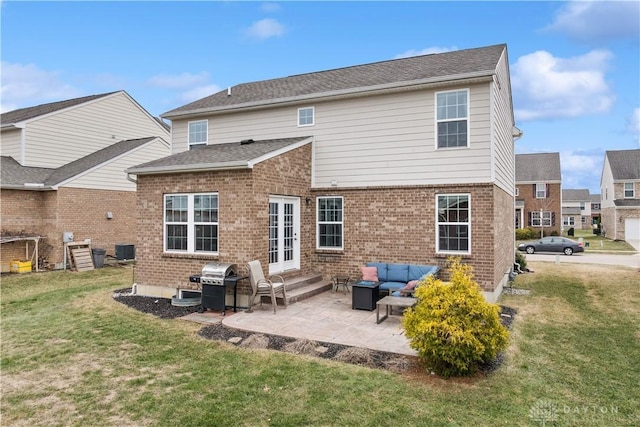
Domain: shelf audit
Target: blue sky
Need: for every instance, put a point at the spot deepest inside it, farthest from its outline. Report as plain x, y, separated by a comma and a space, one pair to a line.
575, 66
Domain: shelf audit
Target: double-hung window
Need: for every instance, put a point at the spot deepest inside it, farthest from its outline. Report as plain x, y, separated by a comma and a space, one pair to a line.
306, 116
330, 222
453, 223
191, 223
198, 134
546, 219
541, 190
452, 119
568, 220
629, 192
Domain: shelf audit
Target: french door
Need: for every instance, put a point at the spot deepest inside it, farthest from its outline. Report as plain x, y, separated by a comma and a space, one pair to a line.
284, 234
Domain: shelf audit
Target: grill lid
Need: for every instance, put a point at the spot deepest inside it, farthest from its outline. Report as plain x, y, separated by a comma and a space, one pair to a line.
219, 269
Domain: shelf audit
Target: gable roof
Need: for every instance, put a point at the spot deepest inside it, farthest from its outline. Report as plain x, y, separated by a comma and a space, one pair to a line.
624, 164
232, 155
595, 198
538, 167
17, 176
468, 63
16, 116
581, 195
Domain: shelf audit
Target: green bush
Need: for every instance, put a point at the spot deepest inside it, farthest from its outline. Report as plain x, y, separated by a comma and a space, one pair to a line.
521, 259
452, 327
525, 233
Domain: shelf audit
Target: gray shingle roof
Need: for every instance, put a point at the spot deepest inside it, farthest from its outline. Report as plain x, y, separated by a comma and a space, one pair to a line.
595, 198
581, 195
22, 114
15, 175
435, 67
216, 156
625, 164
627, 203
538, 167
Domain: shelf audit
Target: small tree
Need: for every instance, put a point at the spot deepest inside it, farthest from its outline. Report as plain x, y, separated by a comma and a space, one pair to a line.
452, 327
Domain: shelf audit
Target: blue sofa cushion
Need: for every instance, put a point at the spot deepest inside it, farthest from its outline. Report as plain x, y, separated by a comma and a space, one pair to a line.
417, 272
398, 272
385, 286
382, 270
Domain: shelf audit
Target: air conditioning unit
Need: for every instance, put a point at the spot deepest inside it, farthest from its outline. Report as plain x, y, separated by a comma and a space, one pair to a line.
125, 252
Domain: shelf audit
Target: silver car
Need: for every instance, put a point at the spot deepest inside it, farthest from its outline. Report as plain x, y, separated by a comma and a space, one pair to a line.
552, 244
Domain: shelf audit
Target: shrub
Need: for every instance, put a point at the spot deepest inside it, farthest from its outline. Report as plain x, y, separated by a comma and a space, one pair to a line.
522, 260
452, 327
554, 233
525, 234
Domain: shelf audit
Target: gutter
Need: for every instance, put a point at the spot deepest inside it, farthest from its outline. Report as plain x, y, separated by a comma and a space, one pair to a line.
201, 167
477, 77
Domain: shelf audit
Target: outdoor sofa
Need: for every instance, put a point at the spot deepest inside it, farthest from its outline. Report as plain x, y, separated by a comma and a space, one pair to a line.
397, 279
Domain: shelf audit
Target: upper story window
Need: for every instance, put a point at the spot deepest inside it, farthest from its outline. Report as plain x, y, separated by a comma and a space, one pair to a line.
540, 191
517, 191
191, 223
582, 206
595, 206
629, 192
330, 223
198, 133
306, 116
453, 223
452, 123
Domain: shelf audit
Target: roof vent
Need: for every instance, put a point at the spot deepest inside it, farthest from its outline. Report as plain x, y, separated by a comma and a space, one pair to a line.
229, 91
246, 141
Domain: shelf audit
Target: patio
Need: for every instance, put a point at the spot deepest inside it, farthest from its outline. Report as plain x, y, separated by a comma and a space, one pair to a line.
326, 317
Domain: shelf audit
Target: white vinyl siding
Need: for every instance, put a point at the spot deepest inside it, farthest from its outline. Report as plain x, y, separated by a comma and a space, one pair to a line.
111, 175
502, 123
607, 186
10, 144
372, 141
58, 139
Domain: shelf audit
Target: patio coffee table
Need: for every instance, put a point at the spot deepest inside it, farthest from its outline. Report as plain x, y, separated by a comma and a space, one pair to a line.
390, 302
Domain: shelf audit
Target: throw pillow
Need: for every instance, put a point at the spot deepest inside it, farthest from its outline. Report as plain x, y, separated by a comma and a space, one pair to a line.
370, 274
408, 288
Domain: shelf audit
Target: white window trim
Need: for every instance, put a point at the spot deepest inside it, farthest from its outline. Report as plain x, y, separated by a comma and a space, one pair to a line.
438, 251
517, 191
196, 144
544, 186
624, 190
313, 117
569, 220
191, 242
544, 218
328, 248
435, 116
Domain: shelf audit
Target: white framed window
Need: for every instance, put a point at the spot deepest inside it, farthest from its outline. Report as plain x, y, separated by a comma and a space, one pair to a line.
541, 190
568, 220
582, 206
198, 134
330, 226
595, 206
452, 119
306, 116
453, 223
517, 191
191, 223
547, 219
629, 192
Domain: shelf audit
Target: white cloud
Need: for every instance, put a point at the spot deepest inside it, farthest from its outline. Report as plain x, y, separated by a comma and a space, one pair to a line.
545, 86
270, 7
425, 51
265, 29
595, 21
179, 81
27, 86
581, 169
199, 92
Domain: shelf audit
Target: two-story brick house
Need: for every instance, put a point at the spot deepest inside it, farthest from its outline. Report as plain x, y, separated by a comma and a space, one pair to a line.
63, 171
576, 209
620, 193
408, 160
539, 192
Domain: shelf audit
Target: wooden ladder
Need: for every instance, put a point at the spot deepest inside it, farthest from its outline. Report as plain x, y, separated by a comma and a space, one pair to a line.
80, 258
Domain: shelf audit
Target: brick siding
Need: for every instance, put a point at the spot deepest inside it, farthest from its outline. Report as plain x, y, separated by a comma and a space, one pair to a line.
551, 203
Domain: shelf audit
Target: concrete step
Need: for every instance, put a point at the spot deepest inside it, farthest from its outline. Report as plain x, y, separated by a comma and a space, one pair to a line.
307, 291
297, 282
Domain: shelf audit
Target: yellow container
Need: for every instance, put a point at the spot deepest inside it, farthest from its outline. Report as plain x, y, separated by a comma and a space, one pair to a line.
18, 266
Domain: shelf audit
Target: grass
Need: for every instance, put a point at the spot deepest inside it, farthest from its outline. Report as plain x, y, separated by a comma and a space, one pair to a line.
73, 356
600, 243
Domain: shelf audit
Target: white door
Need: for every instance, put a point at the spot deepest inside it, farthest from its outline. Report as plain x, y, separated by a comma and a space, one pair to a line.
632, 231
284, 232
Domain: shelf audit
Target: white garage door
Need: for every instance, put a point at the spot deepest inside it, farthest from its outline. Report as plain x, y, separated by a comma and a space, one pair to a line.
632, 230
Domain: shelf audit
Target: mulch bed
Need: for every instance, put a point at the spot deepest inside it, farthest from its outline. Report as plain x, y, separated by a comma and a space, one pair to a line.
162, 308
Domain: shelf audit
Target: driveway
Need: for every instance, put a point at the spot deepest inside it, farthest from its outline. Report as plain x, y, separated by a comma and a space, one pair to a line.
627, 260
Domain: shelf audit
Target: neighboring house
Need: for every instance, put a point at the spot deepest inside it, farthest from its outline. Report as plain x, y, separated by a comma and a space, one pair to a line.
538, 192
576, 209
408, 160
63, 169
596, 218
620, 193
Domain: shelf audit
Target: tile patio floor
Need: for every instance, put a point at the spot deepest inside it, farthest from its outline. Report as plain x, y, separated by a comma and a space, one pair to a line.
325, 317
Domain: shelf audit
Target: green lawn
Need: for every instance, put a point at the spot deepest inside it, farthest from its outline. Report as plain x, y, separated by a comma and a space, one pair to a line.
73, 356
601, 243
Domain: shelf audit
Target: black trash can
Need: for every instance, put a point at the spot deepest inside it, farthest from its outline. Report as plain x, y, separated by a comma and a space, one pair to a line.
571, 232
98, 257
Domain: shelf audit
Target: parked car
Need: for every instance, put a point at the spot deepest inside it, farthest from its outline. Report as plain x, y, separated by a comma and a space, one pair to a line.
552, 244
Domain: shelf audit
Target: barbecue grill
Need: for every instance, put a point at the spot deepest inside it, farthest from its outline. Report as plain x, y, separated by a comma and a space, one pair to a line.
213, 286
